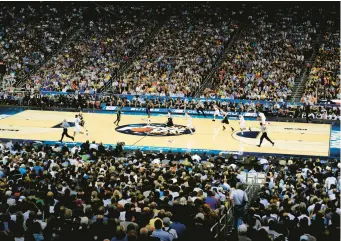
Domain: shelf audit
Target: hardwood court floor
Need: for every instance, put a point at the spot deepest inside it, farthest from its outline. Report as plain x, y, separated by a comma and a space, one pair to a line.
289, 138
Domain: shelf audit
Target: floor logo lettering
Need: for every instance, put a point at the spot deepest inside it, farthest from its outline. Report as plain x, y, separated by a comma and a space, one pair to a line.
3, 116
154, 129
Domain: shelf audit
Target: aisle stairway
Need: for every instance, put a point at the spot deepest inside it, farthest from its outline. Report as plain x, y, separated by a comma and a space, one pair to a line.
299, 86
117, 73
208, 81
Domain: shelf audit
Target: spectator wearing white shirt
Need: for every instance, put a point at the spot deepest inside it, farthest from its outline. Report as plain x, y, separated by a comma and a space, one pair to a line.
94, 146
239, 200
156, 161
74, 149
264, 201
9, 145
241, 176
330, 180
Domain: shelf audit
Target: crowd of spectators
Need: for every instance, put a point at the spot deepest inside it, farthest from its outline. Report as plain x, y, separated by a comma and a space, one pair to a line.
268, 57
182, 53
92, 192
104, 44
265, 61
324, 77
29, 33
300, 200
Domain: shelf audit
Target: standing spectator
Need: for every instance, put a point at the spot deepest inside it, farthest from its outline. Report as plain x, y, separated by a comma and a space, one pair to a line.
161, 234
239, 200
168, 229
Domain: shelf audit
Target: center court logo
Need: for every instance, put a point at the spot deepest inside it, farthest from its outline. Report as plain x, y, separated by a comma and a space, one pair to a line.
154, 129
248, 134
4, 116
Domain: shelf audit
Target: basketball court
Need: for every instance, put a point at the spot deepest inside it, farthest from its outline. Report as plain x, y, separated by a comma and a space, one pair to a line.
289, 138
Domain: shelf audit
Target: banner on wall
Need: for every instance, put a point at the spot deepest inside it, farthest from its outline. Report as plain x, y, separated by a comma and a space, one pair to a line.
208, 99
174, 111
335, 141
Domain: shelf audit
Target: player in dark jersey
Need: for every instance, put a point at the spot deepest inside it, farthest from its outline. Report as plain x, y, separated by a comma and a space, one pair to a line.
118, 116
170, 119
149, 106
225, 121
82, 122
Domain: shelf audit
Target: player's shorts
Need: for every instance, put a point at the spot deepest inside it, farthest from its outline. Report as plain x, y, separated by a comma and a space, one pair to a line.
225, 121
217, 113
77, 128
242, 125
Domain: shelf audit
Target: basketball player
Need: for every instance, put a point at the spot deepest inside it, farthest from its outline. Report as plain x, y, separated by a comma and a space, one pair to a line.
307, 112
264, 135
77, 126
148, 109
216, 112
82, 122
118, 116
262, 119
200, 108
226, 121
189, 122
242, 124
65, 125
170, 119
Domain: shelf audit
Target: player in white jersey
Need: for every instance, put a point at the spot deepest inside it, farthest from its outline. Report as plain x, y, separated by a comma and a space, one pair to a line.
189, 122
216, 112
242, 124
77, 126
262, 118
82, 122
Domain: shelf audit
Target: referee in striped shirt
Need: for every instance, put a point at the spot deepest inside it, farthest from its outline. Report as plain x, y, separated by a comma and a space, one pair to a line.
65, 125
264, 134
